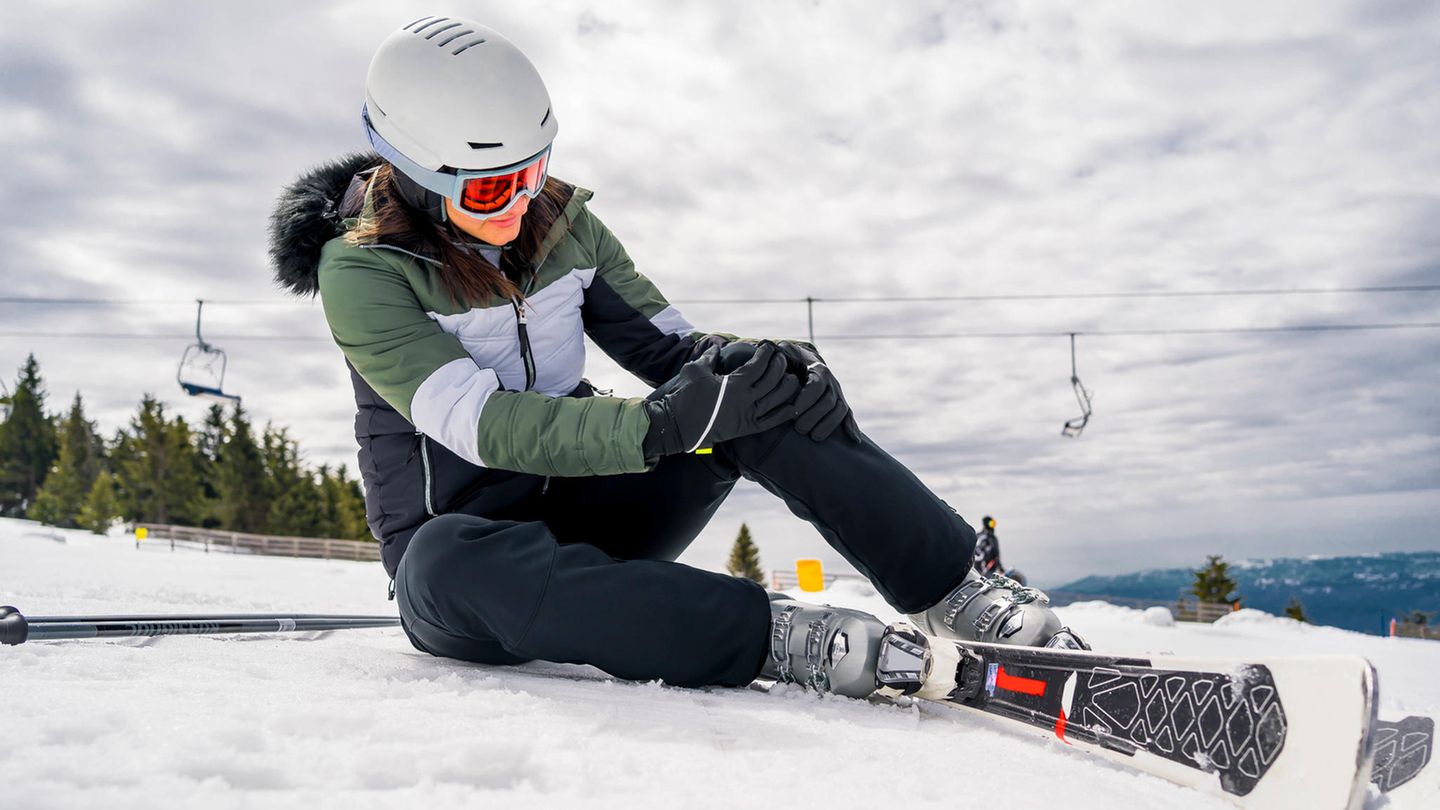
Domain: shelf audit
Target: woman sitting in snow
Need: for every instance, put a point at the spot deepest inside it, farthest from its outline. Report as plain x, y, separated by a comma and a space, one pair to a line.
523, 515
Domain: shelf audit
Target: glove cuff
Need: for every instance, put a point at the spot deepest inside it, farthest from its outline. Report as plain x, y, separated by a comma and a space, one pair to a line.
662, 438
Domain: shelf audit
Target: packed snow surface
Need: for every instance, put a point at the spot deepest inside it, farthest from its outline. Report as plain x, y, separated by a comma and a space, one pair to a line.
360, 719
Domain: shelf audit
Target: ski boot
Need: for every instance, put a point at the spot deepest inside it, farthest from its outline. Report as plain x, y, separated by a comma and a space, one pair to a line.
828, 649
997, 610
852, 653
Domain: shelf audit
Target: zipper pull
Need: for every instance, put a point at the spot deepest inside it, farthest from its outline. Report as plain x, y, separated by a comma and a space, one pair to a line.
523, 333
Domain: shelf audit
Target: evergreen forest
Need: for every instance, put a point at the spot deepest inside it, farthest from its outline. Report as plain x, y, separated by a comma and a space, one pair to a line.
225, 473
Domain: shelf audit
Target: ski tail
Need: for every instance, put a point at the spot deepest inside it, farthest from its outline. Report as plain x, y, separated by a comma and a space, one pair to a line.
1402, 750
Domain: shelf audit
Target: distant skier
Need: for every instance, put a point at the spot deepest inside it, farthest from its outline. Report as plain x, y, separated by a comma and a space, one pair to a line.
987, 553
987, 548
522, 514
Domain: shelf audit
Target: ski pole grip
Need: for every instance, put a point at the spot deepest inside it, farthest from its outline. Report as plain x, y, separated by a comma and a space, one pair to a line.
13, 627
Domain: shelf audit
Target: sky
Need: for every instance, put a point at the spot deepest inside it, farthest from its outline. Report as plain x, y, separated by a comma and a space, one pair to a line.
784, 150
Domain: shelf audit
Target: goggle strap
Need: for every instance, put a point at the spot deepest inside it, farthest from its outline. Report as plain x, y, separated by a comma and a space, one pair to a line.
438, 182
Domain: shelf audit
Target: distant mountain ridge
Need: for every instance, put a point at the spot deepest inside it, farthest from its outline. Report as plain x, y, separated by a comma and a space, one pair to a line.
1357, 592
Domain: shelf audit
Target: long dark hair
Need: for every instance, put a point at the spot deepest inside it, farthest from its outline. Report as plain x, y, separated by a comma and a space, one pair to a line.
465, 274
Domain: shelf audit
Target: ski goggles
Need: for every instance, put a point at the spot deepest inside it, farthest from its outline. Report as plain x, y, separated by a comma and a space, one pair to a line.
484, 194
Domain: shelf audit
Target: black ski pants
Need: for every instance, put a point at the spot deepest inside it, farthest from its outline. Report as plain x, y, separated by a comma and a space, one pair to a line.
584, 571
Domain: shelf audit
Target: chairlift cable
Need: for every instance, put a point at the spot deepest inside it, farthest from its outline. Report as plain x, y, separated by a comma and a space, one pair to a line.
1393, 288
1335, 327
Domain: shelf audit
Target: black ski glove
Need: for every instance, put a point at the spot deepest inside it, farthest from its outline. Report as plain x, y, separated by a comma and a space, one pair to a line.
821, 406
703, 407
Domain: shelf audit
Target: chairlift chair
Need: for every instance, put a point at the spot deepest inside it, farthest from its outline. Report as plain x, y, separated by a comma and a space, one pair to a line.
202, 367
1074, 426
4, 402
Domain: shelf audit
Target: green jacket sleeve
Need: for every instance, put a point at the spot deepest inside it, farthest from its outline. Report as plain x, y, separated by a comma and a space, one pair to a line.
384, 330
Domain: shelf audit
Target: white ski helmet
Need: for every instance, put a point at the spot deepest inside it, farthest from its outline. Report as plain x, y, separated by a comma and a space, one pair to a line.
448, 99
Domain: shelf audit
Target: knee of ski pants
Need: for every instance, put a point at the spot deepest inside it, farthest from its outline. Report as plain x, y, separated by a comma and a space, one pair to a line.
476, 578
737, 353
734, 355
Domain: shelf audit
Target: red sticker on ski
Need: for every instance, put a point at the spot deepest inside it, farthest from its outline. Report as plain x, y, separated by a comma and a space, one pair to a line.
1015, 683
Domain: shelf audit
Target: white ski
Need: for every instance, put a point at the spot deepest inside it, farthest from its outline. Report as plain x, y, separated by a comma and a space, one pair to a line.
1264, 733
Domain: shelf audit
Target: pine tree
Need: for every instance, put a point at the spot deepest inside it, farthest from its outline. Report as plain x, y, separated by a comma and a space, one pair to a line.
157, 467
101, 507
28, 444
53, 504
1296, 610
1213, 583
296, 499
745, 557
344, 505
81, 453
211, 434
328, 502
208, 441
240, 478
353, 523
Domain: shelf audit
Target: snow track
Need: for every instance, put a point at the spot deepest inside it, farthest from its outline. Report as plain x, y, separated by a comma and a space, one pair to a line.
359, 719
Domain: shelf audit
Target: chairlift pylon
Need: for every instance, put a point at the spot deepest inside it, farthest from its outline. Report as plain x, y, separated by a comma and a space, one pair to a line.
202, 367
4, 402
1074, 426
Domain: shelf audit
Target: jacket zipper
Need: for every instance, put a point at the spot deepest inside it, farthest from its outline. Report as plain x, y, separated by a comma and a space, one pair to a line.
425, 462
520, 325
525, 350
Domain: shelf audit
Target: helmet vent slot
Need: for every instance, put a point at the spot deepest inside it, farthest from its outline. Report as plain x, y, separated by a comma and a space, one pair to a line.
442, 29
446, 41
433, 21
422, 19
466, 46
547, 116
474, 145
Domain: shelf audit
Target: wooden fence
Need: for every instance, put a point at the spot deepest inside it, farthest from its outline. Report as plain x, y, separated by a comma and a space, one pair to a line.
1063, 598
1404, 629
1182, 611
785, 580
1202, 611
270, 545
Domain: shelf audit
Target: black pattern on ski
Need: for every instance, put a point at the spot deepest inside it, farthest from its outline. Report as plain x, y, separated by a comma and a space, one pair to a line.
1232, 725
1402, 749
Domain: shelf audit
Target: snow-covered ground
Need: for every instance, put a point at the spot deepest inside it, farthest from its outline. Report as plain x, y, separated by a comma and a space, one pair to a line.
359, 719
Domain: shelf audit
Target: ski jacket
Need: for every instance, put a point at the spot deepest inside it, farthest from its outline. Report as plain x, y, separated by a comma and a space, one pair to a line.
987, 553
470, 406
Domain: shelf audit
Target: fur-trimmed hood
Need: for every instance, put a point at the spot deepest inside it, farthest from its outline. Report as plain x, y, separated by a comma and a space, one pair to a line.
309, 213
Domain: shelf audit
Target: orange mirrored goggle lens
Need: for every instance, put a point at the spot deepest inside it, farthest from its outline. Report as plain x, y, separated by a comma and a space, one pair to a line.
490, 195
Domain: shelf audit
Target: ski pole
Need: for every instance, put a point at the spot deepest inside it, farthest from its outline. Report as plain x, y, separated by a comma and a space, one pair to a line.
16, 628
